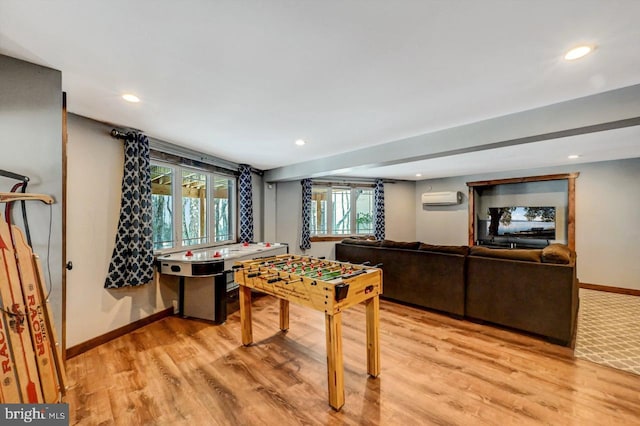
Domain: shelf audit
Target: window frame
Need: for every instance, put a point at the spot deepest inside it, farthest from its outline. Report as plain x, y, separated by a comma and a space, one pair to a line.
353, 226
176, 188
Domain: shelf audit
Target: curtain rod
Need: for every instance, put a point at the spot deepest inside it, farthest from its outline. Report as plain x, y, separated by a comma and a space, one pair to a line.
118, 134
352, 181
170, 149
180, 151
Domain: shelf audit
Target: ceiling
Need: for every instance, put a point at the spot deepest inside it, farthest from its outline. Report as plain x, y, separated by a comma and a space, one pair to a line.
242, 80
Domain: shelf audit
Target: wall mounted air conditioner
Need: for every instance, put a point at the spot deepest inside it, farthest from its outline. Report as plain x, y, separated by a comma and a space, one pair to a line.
448, 198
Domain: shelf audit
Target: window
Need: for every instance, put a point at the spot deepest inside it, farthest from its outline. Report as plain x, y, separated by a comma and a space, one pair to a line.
194, 208
191, 207
319, 197
350, 210
162, 206
222, 190
364, 211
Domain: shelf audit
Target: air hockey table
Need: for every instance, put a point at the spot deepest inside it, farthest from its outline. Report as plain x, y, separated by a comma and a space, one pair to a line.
206, 276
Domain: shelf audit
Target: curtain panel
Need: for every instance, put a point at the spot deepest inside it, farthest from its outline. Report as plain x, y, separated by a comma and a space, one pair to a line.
305, 234
378, 210
132, 258
246, 204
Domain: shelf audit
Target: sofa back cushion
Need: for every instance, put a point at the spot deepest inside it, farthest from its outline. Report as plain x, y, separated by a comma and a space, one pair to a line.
412, 245
361, 242
463, 250
528, 255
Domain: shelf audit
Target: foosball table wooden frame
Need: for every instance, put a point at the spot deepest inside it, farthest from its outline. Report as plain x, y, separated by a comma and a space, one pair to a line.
327, 286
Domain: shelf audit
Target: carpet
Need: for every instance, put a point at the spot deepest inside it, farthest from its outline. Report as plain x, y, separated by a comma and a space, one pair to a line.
608, 330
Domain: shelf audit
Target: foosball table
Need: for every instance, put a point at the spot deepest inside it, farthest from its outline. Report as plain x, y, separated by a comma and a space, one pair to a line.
323, 285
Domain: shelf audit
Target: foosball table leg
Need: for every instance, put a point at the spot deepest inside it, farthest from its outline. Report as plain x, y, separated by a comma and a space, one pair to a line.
335, 366
373, 336
245, 315
284, 315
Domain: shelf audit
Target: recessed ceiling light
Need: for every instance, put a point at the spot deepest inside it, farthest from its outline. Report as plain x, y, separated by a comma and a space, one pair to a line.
418, 174
578, 52
573, 156
130, 98
300, 142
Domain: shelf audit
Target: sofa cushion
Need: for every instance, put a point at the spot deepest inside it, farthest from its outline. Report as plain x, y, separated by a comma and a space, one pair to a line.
413, 245
463, 250
361, 242
529, 255
556, 253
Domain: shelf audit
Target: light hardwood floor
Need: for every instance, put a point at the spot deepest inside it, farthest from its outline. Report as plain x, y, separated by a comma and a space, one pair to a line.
434, 370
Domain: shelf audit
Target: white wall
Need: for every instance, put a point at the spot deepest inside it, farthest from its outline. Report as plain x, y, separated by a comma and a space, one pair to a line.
607, 223
270, 191
400, 212
94, 177
400, 215
447, 225
257, 192
288, 216
31, 140
607, 209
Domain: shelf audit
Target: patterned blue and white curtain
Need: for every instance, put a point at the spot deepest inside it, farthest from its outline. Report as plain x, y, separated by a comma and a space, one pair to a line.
378, 210
132, 259
305, 235
246, 204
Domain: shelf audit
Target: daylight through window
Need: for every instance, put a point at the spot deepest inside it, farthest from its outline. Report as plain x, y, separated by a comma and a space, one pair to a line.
341, 210
194, 209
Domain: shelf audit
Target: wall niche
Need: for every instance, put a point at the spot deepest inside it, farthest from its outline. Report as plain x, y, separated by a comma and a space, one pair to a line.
527, 212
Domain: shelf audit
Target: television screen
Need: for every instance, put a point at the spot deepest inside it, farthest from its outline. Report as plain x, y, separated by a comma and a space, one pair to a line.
522, 222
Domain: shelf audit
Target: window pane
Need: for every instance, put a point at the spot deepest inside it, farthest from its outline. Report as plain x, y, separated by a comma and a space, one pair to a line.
341, 203
364, 211
162, 206
194, 205
223, 190
318, 223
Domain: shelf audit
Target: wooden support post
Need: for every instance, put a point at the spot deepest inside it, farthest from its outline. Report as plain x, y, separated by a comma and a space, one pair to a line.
245, 315
571, 213
373, 336
335, 366
284, 315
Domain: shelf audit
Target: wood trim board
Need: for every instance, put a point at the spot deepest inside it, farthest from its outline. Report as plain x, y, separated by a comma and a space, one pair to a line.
610, 289
571, 200
97, 341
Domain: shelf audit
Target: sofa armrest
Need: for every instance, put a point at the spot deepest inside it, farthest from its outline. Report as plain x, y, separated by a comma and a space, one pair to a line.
540, 298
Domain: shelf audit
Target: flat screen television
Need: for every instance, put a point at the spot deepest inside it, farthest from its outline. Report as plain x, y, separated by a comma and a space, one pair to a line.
521, 222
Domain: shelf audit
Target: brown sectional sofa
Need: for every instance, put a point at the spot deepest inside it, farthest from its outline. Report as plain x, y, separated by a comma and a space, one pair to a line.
531, 290
424, 278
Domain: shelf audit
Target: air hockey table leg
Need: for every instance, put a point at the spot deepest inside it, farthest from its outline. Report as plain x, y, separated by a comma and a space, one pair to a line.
181, 297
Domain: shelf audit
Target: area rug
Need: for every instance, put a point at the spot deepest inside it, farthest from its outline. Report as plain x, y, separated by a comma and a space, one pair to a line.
609, 329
